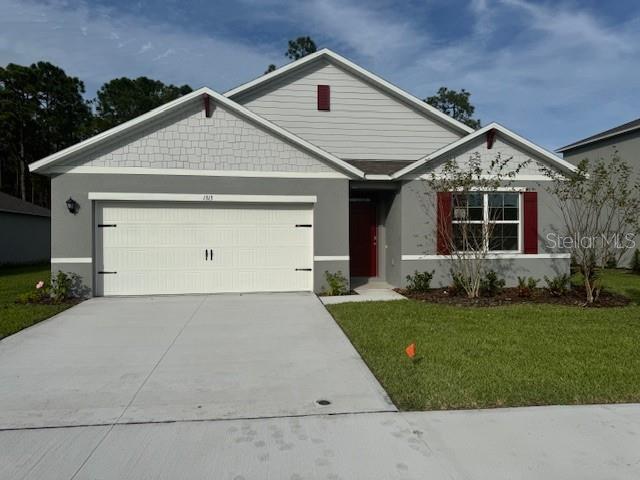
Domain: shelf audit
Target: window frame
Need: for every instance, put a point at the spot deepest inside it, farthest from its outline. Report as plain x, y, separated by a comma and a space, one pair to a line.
486, 221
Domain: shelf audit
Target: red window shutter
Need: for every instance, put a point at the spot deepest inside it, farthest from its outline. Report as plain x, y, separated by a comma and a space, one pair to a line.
324, 97
530, 222
444, 223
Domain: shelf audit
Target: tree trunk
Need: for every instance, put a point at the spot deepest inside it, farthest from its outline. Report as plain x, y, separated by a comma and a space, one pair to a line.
23, 188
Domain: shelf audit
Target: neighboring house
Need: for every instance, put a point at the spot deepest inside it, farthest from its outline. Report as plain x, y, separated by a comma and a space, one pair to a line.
624, 141
314, 167
25, 231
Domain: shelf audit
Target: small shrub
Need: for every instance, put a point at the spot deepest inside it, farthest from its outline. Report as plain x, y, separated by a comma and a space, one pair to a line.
526, 286
491, 285
635, 262
337, 283
611, 263
557, 286
419, 281
457, 285
62, 287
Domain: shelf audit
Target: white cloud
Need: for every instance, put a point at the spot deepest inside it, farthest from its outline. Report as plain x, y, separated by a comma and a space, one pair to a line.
553, 72
97, 46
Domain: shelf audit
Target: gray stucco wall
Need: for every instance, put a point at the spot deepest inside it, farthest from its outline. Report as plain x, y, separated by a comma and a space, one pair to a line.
628, 147
393, 239
24, 238
418, 227
72, 235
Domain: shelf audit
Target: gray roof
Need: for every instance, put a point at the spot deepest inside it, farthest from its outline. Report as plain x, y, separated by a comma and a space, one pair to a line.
379, 167
612, 132
9, 203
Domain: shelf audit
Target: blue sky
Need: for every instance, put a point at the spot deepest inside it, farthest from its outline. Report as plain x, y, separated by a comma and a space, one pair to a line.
553, 71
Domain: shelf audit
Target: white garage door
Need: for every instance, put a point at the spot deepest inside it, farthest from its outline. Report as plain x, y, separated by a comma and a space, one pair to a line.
171, 247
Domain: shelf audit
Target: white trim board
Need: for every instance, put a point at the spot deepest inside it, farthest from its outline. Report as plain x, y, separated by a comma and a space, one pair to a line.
494, 256
331, 258
201, 197
190, 172
517, 178
508, 134
71, 260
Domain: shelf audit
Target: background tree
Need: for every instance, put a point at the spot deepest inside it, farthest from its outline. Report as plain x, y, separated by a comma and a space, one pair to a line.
455, 104
300, 47
599, 204
41, 111
122, 99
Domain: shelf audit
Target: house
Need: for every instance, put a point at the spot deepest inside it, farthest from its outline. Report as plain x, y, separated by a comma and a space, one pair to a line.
623, 141
24, 231
314, 167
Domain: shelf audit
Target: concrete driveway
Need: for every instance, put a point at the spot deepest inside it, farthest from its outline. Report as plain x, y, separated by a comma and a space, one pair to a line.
158, 359
224, 387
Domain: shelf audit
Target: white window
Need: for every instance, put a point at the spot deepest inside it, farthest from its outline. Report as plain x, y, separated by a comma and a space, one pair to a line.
486, 221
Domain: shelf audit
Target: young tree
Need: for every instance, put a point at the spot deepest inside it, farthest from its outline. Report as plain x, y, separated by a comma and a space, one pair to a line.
599, 204
122, 99
455, 104
465, 225
300, 47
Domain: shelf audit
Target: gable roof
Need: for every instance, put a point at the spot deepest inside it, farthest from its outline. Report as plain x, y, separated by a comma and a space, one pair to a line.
512, 136
612, 132
171, 106
11, 204
359, 72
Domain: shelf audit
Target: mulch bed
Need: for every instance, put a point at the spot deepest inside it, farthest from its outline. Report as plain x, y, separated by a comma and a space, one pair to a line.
509, 296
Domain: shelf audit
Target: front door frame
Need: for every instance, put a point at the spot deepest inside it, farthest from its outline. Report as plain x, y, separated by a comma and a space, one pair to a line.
371, 259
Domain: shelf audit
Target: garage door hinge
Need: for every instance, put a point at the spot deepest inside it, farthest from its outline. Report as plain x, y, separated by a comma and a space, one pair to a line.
103, 225
303, 269
101, 272
303, 225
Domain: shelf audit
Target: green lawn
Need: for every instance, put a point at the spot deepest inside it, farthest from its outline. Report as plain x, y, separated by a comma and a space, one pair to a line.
17, 280
500, 356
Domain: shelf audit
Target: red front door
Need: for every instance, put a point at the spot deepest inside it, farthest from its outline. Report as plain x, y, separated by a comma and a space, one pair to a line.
363, 239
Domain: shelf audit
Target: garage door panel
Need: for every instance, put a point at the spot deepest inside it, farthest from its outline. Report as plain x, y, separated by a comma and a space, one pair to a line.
159, 248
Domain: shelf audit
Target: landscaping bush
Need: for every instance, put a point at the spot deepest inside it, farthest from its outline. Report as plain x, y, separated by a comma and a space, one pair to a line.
611, 263
457, 285
337, 283
635, 262
557, 286
419, 281
526, 286
61, 288
491, 285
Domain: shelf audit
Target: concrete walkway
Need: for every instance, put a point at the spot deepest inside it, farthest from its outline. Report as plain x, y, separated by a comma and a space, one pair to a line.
563, 443
366, 291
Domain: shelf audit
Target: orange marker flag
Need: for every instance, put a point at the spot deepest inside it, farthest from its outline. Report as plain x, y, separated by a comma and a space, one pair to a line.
411, 351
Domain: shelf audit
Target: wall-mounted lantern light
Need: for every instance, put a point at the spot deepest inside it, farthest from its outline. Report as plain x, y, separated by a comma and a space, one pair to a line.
72, 205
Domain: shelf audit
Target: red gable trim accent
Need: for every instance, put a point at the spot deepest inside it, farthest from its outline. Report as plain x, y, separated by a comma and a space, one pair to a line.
207, 105
443, 238
324, 98
530, 228
491, 138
